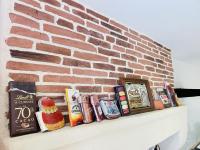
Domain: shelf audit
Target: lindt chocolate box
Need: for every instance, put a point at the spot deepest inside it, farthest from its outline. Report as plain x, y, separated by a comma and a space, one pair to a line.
122, 100
22, 107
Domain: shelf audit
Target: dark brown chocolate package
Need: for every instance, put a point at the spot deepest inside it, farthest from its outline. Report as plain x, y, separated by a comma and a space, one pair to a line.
86, 108
96, 107
22, 107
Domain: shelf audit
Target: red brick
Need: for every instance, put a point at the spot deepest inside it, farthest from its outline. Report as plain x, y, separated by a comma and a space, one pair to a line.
134, 53
73, 43
66, 8
141, 72
118, 48
32, 3
123, 69
67, 79
129, 57
136, 66
118, 25
90, 32
133, 76
76, 63
23, 21
118, 62
140, 49
147, 62
159, 61
157, 79
52, 2
35, 56
118, 36
33, 12
104, 66
106, 81
53, 49
124, 44
24, 77
108, 89
116, 75
89, 56
51, 88
19, 42
89, 89
150, 68
97, 27
98, 42
158, 84
151, 45
74, 4
85, 16
143, 46
158, 75
110, 39
36, 67
149, 58
108, 52
132, 41
62, 31
133, 32
161, 66
65, 23
90, 72
64, 14
29, 33
97, 15
163, 54
132, 36
111, 27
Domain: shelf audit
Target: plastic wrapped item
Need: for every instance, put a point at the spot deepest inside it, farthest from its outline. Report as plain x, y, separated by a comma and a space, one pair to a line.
75, 114
122, 101
110, 108
86, 108
49, 117
96, 107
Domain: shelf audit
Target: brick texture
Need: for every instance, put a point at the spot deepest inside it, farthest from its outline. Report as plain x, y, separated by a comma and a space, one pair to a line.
62, 44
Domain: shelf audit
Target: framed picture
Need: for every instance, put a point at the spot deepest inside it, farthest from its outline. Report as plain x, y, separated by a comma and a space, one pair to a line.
139, 95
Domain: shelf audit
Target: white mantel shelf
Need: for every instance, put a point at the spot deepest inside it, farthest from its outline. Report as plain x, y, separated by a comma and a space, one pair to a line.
136, 132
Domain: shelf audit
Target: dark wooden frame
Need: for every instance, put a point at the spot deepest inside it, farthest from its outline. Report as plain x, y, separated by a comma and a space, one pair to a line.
122, 81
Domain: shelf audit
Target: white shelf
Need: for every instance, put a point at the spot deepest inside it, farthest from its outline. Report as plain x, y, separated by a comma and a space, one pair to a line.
132, 132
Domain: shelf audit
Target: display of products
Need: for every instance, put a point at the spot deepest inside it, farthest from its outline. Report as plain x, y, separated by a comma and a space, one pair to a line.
49, 117
22, 106
96, 107
86, 108
109, 108
75, 114
121, 100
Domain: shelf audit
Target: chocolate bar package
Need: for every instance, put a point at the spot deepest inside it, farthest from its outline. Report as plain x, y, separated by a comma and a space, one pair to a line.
73, 100
86, 108
96, 107
159, 94
22, 107
110, 108
122, 101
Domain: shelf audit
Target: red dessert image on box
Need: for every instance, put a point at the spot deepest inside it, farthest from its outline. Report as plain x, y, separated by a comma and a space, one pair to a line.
51, 116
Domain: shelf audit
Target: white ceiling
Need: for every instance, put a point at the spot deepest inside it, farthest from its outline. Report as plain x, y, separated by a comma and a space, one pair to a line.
173, 23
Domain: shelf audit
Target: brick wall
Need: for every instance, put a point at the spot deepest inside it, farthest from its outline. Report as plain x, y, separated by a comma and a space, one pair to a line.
60, 44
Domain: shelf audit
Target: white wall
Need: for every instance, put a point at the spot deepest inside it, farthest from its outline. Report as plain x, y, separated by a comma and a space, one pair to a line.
187, 76
5, 6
